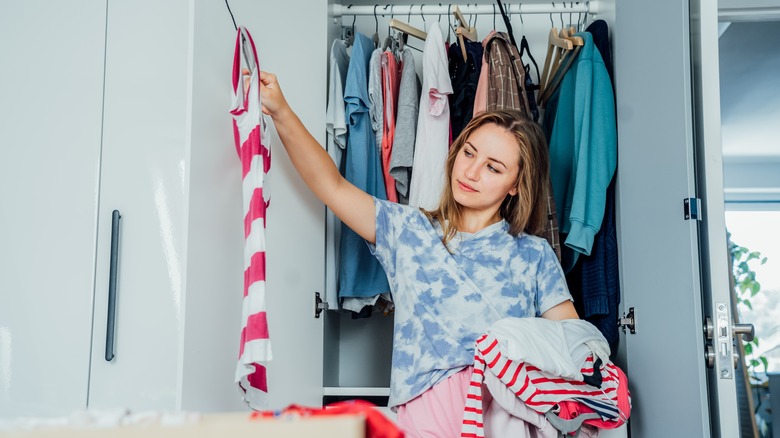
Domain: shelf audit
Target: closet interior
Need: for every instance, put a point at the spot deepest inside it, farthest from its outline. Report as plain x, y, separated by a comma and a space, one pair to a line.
357, 350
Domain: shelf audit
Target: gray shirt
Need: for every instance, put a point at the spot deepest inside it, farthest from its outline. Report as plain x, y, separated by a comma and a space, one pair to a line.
376, 106
402, 156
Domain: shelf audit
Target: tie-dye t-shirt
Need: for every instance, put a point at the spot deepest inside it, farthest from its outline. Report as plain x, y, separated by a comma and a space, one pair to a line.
445, 299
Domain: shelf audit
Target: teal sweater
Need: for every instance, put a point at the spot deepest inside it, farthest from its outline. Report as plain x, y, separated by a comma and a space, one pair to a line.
583, 149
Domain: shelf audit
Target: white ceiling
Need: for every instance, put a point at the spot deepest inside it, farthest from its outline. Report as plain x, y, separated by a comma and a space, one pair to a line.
750, 90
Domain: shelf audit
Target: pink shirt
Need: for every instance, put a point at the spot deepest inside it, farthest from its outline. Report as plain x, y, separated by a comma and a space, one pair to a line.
480, 98
391, 77
251, 138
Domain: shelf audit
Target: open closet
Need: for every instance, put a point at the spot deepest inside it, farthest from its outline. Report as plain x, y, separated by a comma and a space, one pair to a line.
134, 80
544, 34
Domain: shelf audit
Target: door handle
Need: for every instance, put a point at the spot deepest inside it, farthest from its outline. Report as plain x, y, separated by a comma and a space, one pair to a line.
111, 318
748, 331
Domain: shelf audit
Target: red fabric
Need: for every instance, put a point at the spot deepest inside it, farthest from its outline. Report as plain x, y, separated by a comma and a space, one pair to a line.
377, 425
570, 409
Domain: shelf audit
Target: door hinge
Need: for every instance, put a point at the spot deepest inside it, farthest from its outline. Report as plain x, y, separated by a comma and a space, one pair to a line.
692, 209
628, 321
319, 305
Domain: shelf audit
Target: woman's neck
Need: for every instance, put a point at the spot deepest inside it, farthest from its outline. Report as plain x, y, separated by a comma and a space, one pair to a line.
473, 222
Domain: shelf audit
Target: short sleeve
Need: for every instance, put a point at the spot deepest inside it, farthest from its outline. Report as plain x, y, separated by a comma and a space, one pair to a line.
551, 288
390, 219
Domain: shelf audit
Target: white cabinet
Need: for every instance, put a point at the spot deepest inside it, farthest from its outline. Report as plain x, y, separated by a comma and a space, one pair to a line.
123, 105
51, 100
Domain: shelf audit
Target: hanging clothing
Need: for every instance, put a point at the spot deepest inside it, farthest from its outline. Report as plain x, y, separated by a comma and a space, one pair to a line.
336, 128
390, 81
433, 125
360, 275
600, 270
583, 149
252, 144
506, 75
464, 76
487, 275
376, 107
530, 87
402, 156
481, 95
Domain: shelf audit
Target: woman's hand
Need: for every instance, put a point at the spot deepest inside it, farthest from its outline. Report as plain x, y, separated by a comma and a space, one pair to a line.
274, 103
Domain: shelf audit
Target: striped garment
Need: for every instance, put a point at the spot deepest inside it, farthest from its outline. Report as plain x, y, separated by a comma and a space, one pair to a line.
251, 139
540, 390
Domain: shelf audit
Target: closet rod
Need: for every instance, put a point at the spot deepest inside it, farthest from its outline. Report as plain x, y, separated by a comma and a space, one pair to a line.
748, 14
428, 9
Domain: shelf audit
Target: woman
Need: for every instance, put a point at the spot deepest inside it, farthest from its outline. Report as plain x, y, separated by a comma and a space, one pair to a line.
453, 271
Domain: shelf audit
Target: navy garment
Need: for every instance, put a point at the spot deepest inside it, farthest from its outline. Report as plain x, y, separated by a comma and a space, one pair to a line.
595, 280
464, 76
360, 274
600, 33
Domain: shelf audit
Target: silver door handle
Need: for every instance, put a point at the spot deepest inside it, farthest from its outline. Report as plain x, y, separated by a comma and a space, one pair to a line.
747, 331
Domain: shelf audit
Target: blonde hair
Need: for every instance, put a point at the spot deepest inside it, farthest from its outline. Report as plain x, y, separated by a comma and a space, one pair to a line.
527, 210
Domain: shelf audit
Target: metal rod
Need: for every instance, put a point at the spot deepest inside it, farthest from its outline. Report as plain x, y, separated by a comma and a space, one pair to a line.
749, 14
485, 9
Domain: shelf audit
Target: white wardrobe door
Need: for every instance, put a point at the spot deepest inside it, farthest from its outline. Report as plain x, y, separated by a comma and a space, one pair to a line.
144, 177
51, 83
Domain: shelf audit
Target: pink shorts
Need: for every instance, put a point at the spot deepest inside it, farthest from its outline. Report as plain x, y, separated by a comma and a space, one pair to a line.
437, 412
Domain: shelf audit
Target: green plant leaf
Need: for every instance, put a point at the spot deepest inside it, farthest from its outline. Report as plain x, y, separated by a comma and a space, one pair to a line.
748, 349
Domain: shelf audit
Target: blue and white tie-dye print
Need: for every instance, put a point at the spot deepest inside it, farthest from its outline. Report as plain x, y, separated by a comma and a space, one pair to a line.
445, 299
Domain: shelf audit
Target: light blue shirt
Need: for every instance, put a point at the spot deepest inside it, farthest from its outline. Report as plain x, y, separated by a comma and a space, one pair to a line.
444, 301
583, 149
360, 275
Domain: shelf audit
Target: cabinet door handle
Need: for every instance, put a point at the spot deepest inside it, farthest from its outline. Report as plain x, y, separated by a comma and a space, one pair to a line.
115, 216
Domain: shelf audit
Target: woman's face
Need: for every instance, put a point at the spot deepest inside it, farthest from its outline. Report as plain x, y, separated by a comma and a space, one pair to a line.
486, 169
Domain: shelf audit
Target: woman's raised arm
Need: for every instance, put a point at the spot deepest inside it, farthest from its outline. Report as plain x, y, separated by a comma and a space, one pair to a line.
352, 205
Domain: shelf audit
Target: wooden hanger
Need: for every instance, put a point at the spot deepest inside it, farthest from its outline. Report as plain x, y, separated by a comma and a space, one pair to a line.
463, 31
555, 45
408, 29
559, 72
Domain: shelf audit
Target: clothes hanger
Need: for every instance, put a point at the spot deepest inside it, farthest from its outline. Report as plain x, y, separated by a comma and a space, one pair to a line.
525, 49
558, 75
351, 38
244, 47
555, 48
408, 29
507, 23
463, 31
375, 38
390, 42
564, 55
566, 61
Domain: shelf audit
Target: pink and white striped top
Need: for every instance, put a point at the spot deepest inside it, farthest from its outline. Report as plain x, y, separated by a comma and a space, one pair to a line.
540, 390
251, 137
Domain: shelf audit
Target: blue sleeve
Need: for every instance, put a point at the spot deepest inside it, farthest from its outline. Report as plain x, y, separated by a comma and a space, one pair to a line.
390, 218
595, 159
551, 288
